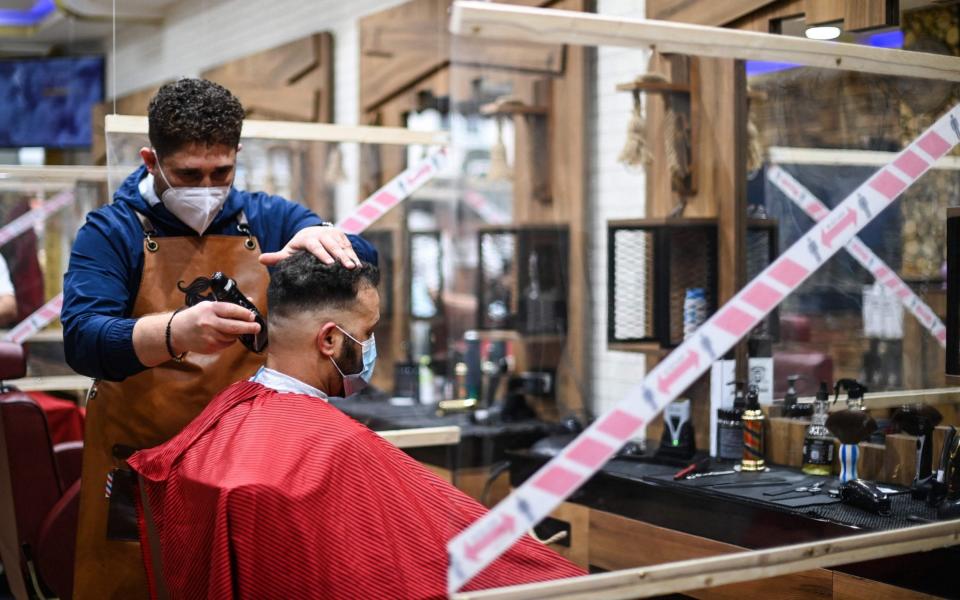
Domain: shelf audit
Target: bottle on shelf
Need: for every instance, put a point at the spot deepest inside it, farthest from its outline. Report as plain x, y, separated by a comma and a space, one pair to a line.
730, 427
818, 442
753, 434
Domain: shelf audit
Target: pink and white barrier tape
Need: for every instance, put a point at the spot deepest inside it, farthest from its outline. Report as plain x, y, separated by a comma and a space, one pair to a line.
394, 192
36, 321
487, 211
490, 536
862, 253
51, 310
27, 220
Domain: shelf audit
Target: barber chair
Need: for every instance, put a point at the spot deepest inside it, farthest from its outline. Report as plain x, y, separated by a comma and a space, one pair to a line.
39, 492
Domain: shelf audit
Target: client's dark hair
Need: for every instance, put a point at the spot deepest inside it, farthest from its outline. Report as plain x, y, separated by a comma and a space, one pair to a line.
302, 282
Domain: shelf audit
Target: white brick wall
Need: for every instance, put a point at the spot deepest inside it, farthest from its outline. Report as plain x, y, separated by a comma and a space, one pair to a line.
616, 193
200, 34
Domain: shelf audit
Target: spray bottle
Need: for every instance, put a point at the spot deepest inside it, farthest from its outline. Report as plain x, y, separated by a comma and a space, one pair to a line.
753, 434
818, 443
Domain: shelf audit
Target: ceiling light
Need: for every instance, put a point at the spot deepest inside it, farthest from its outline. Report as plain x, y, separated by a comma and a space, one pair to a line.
823, 32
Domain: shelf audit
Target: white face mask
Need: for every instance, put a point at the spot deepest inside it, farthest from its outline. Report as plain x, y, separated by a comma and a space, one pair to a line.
197, 207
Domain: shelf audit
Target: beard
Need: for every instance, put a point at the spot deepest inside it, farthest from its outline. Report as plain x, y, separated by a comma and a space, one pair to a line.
350, 360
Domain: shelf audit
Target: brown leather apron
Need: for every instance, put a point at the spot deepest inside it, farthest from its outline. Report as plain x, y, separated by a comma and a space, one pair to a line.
151, 407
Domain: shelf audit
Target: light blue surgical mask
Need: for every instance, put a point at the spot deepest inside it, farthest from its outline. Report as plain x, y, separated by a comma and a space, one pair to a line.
356, 382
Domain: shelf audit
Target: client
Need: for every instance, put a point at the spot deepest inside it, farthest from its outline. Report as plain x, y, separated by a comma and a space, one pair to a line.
271, 492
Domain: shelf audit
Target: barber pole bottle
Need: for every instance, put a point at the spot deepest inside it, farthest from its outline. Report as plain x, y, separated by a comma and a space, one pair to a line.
849, 453
753, 442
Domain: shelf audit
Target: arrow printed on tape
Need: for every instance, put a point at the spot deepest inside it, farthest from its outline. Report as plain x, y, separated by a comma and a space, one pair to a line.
816, 209
394, 192
691, 361
580, 459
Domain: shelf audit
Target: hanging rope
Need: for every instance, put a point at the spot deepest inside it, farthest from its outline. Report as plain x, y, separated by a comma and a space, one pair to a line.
499, 168
636, 152
334, 173
756, 152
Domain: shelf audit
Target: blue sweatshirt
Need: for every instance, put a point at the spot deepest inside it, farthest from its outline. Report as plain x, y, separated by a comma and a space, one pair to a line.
106, 263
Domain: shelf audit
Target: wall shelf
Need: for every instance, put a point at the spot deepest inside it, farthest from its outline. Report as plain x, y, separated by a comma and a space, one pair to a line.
654, 86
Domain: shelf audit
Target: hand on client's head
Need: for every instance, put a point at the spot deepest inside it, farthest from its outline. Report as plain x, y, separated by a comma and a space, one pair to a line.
328, 244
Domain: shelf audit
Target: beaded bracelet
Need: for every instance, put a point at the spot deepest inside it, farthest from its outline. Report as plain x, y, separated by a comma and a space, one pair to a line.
169, 343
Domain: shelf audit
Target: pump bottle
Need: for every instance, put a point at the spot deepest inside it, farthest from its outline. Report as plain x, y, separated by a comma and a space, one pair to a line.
818, 443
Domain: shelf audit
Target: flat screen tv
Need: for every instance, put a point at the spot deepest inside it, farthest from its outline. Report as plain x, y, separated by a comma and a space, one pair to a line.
47, 102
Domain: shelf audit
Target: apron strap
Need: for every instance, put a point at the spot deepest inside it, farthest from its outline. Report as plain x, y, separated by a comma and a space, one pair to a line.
153, 538
148, 231
244, 226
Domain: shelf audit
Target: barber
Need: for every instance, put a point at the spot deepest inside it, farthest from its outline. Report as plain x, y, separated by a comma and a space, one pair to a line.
157, 363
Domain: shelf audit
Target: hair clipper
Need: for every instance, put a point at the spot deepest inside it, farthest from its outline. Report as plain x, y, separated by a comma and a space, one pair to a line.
224, 289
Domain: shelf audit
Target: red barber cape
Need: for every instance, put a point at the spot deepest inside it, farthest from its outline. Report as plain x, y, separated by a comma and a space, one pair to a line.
276, 495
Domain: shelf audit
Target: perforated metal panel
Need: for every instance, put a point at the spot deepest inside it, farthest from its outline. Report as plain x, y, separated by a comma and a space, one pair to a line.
651, 267
632, 300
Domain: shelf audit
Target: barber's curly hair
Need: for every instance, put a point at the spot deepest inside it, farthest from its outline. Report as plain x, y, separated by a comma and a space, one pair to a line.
193, 111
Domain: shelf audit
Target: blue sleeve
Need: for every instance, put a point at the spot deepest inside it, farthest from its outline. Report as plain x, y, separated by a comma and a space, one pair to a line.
97, 299
299, 216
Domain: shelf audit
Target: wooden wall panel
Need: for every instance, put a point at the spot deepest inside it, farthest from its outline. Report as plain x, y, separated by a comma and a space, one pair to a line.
578, 551
700, 12
850, 587
860, 15
817, 12
620, 543
401, 46
286, 83
763, 19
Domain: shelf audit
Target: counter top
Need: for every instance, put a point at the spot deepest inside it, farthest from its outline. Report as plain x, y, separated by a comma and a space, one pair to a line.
734, 509
481, 444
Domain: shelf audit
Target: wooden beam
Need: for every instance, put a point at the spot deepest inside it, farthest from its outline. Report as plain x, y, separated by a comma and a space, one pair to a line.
49, 174
844, 157
422, 437
314, 132
495, 21
52, 383
880, 400
709, 572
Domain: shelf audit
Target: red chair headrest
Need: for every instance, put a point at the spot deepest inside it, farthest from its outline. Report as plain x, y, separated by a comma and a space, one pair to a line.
13, 362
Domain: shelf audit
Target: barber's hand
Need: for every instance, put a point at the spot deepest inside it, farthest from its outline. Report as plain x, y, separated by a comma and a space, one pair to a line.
329, 244
210, 327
